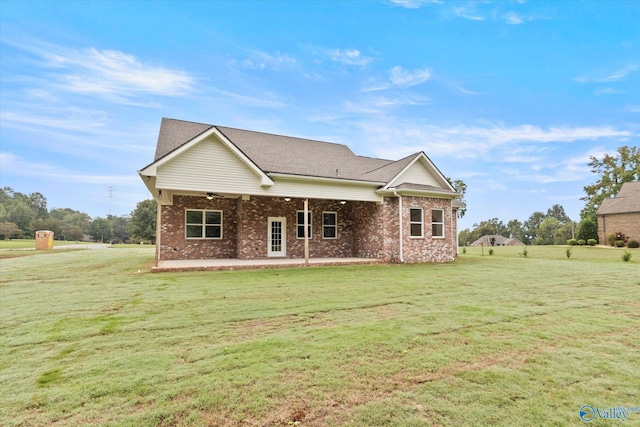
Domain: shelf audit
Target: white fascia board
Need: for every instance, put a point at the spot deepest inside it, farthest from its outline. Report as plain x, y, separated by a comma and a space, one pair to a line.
308, 178
151, 170
432, 168
393, 191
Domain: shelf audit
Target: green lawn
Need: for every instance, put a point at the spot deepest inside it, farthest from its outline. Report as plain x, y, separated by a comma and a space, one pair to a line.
488, 340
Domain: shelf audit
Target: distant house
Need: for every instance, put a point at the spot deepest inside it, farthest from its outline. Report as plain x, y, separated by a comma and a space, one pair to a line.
497, 240
227, 193
620, 215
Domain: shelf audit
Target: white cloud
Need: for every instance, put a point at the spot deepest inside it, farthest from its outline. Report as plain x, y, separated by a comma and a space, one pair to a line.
606, 77
349, 57
115, 72
14, 165
267, 100
465, 13
111, 74
607, 91
263, 60
490, 141
405, 78
632, 108
413, 4
399, 77
512, 18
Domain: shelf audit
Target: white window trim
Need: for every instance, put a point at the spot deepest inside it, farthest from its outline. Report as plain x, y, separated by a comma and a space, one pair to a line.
203, 224
335, 226
302, 225
441, 223
421, 222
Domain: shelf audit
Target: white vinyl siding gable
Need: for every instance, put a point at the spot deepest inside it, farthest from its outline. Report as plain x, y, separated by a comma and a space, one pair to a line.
208, 166
417, 173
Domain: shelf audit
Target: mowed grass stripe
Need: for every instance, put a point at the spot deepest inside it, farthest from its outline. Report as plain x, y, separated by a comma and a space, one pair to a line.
502, 340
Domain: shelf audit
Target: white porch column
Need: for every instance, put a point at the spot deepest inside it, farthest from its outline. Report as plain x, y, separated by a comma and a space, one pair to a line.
306, 231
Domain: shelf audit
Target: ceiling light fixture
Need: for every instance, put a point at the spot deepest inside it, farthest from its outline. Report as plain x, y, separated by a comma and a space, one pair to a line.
210, 196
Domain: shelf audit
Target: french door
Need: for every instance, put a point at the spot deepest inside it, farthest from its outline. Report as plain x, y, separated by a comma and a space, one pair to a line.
277, 237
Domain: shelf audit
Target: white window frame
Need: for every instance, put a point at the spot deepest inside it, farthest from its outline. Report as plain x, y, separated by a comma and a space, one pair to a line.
334, 226
412, 223
302, 224
433, 223
203, 224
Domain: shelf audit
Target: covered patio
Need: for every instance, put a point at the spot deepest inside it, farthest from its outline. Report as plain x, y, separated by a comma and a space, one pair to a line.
246, 264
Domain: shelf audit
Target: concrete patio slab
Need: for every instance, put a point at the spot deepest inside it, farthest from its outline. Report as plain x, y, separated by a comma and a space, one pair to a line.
243, 264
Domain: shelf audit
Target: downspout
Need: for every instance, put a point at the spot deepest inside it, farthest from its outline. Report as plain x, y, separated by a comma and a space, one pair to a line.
400, 237
158, 228
455, 216
306, 231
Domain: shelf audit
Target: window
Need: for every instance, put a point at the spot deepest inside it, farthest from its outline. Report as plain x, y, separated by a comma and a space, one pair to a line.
329, 225
437, 222
415, 222
300, 224
201, 224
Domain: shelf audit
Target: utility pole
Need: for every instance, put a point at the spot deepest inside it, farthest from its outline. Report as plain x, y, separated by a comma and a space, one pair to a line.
110, 198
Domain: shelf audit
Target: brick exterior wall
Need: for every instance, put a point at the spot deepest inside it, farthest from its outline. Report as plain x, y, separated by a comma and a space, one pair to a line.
428, 248
627, 224
365, 230
173, 241
254, 214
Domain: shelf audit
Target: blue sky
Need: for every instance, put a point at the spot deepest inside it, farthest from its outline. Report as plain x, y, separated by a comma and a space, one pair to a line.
510, 96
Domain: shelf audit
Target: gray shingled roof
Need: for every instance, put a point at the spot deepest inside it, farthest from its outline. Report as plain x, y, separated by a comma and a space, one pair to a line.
499, 241
626, 201
284, 154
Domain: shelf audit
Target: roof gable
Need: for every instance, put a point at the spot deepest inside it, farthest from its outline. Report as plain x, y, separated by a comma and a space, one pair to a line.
275, 154
626, 201
420, 170
209, 165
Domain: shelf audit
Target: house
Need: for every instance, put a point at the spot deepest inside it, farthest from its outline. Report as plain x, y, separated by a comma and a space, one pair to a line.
620, 215
497, 240
238, 194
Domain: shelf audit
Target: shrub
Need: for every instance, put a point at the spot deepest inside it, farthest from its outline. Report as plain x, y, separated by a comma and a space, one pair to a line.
633, 244
611, 239
524, 252
490, 251
572, 242
619, 243
587, 229
626, 256
568, 253
581, 242
464, 250
592, 242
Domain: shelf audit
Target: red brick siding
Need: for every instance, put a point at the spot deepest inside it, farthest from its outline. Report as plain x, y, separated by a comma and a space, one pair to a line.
365, 229
627, 224
376, 230
253, 234
428, 248
174, 244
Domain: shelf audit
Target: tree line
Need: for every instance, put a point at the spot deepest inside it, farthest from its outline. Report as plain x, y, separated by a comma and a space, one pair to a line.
554, 227
21, 215
551, 228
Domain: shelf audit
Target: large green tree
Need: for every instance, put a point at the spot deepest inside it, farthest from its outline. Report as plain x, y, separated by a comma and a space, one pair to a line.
101, 230
461, 188
143, 220
612, 171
